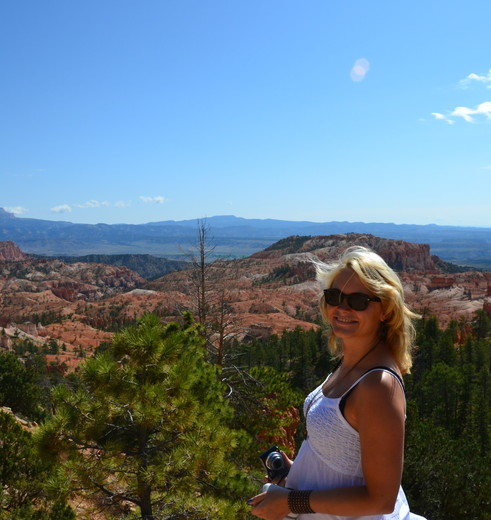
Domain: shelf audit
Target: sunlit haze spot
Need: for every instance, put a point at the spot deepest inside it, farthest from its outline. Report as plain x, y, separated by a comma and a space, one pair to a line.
360, 69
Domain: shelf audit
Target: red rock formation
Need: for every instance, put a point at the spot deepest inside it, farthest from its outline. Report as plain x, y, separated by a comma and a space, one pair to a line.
441, 282
28, 328
286, 435
34, 290
276, 289
269, 292
400, 255
10, 252
5, 341
488, 279
487, 308
487, 302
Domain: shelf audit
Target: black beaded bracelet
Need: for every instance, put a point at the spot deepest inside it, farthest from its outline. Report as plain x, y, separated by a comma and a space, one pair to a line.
299, 502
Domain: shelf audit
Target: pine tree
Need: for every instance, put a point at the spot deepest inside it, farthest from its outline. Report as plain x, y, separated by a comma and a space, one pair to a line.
28, 487
18, 388
448, 427
442, 477
146, 426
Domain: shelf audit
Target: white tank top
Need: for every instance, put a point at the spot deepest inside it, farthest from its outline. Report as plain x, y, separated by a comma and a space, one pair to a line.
330, 457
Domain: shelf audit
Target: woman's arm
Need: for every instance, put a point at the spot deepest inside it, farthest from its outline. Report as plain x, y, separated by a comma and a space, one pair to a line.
376, 408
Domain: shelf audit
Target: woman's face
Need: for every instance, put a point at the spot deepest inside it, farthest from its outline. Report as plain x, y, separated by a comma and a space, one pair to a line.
348, 324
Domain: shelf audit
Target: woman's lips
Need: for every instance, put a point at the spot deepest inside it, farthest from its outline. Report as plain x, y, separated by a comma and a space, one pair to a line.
344, 320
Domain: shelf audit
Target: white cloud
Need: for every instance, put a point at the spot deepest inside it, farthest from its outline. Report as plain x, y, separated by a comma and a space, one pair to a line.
17, 210
466, 113
471, 78
155, 200
360, 69
463, 112
63, 208
121, 204
443, 117
469, 114
93, 204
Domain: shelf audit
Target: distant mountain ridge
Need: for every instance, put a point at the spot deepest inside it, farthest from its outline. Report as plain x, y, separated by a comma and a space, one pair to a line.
233, 237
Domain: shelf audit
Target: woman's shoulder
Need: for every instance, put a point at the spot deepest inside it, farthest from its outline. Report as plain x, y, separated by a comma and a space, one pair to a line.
380, 388
380, 379
383, 373
377, 398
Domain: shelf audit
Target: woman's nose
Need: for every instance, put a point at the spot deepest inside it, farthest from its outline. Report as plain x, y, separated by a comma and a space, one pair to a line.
343, 304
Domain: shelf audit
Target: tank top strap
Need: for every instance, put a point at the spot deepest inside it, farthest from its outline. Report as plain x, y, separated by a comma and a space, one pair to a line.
373, 369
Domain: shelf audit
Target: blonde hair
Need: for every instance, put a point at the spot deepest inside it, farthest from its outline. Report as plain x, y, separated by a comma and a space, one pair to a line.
382, 281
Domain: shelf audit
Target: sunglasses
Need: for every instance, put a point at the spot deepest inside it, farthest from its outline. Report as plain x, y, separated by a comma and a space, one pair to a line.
357, 301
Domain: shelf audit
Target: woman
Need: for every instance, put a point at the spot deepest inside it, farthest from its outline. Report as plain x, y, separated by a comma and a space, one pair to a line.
350, 465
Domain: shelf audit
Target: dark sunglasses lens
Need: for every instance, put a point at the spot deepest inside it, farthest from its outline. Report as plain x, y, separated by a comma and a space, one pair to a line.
358, 302
332, 296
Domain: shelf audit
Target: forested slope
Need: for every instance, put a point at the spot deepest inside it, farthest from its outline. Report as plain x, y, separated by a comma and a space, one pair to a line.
153, 423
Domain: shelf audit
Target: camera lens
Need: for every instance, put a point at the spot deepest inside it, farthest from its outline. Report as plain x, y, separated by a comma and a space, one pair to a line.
274, 461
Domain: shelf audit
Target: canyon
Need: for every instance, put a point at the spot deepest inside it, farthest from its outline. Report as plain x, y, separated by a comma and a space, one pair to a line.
76, 307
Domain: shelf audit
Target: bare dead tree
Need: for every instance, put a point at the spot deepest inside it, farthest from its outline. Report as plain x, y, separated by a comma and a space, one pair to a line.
212, 303
202, 260
223, 319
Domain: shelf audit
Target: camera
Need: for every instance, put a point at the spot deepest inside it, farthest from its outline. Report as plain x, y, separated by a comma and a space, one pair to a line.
273, 462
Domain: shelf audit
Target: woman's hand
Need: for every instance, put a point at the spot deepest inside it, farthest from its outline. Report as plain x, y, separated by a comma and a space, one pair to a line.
271, 505
281, 481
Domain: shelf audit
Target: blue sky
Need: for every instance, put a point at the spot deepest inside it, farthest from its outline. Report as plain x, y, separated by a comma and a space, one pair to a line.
140, 111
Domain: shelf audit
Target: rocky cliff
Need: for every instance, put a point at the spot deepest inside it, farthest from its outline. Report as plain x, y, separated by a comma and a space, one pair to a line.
400, 255
276, 289
268, 292
34, 291
10, 252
